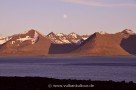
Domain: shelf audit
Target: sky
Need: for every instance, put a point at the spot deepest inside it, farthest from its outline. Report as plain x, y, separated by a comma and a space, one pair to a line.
66, 16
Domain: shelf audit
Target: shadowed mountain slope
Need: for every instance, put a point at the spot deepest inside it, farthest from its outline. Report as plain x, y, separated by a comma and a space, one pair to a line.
129, 44
102, 44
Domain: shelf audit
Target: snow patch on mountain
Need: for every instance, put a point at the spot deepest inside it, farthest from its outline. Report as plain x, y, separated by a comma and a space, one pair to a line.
28, 38
73, 35
24, 39
3, 40
84, 38
78, 42
71, 38
102, 32
66, 41
35, 38
58, 42
12, 42
60, 34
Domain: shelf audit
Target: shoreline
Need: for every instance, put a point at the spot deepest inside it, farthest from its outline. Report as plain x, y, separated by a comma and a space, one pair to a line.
64, 55
42, 83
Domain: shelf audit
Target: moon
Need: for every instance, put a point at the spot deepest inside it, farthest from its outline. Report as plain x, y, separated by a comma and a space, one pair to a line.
65, 16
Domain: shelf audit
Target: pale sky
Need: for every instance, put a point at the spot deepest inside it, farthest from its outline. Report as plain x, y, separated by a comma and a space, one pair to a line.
66, 16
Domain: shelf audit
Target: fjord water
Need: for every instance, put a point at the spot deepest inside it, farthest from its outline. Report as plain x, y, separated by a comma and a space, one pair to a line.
94, 68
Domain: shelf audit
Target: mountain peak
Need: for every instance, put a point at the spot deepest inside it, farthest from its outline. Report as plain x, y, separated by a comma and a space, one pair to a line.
26, 43
102, 32
73, 35
128, 31
29, 31
32, 31
60, 34
51, 34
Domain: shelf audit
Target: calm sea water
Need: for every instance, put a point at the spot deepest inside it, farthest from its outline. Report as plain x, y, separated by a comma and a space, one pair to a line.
94, 68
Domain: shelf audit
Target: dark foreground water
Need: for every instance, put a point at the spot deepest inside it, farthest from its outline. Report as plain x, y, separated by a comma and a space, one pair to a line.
94, 68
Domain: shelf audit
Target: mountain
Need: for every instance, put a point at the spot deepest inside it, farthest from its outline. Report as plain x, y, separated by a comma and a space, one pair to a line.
104, 44
71, 38
75, 38
56, 38
101, 43
61, 43
28, 43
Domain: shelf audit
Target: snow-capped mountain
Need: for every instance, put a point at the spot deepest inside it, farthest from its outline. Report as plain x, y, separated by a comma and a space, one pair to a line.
27, 43
75, 38
54, 38
33, 42
71, 38
31, 37
73, 35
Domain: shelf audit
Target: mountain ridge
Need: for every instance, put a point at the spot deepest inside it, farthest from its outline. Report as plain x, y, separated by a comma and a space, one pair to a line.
26, 43
33, 42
